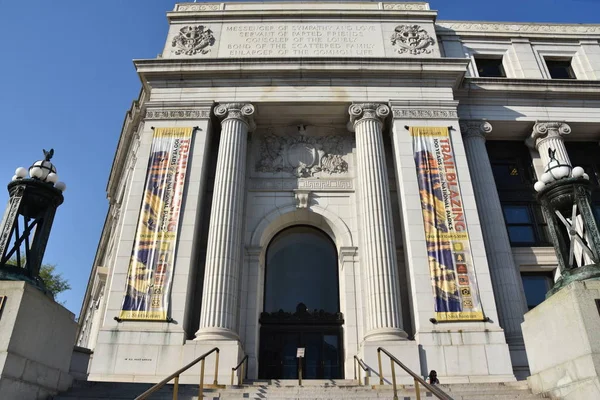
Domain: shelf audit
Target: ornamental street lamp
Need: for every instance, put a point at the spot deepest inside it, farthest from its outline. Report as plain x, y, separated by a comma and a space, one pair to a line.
27, 221
565, 196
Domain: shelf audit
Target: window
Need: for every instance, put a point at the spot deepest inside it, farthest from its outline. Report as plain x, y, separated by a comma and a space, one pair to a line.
514, 177
490, 67
560, 68
536, 285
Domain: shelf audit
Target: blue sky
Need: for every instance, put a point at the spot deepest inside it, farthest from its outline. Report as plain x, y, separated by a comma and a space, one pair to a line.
68, 79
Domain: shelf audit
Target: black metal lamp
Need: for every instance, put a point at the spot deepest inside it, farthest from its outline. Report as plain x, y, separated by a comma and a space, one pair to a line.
565, 196
25, 228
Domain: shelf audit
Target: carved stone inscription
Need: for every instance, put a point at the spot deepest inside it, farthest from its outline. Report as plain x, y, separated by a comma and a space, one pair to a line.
316, 39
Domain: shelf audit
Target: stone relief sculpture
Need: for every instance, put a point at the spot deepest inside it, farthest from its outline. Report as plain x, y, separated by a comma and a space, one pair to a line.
302, 156
411, 39
192, 40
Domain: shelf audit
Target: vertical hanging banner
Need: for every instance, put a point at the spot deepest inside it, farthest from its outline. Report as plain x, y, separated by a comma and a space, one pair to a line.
150, 272
453, 278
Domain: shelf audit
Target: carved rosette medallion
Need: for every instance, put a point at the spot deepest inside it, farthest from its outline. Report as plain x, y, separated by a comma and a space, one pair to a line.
193, 40
302, 156
412, 39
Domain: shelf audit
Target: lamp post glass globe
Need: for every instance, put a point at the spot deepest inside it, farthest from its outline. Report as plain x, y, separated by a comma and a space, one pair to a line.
20, 172
52, 178
577, 172
60, 186
35, 172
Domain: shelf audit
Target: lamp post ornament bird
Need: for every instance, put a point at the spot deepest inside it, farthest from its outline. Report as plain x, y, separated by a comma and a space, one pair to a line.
27, 221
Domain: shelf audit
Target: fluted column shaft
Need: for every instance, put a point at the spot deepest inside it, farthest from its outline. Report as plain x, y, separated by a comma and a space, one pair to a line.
506, 278
218, 317
378, 245
549, 135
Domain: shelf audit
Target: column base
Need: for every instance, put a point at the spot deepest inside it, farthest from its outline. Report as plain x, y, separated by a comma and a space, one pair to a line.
406, 351
386, 334
216, 334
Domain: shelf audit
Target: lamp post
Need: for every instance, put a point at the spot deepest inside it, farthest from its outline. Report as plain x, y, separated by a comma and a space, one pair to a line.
27, 221
565, 196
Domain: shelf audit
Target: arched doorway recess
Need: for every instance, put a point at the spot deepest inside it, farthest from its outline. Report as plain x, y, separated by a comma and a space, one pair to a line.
301, 306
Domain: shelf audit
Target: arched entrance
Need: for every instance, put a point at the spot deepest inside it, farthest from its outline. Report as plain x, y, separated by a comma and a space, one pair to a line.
301, 307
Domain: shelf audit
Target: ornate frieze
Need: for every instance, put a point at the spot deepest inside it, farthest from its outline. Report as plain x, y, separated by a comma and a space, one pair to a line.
192, 40
524, 28
412, 113
475, 128
303, 156
324, 185
198, 7
406, 6
412, 39
177, 114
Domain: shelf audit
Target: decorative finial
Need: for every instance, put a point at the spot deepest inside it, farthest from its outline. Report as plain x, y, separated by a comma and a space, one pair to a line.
48, 154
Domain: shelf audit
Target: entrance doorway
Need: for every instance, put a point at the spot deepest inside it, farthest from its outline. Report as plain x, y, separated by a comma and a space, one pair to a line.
301, 307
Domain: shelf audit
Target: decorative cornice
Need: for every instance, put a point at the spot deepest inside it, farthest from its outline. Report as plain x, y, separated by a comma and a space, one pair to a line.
483, 27
475, 129
424, 113
406, 6
198, 7
241, 111
153, 114
365, 111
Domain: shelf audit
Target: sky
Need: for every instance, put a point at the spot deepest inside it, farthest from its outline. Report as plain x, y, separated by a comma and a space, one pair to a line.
68, 80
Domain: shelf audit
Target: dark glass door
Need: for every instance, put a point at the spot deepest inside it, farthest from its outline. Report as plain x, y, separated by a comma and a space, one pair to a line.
301, 307
322, 357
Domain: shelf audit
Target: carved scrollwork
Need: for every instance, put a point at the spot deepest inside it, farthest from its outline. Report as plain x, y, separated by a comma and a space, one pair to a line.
192, 40
475, 128
406, 6
198, 7
302, 156
412, 113
412, 39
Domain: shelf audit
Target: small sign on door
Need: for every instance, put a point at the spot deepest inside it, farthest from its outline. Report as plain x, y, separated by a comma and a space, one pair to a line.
300, 352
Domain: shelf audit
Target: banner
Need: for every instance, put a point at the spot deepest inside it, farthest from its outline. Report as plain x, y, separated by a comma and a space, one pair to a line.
151, 266
453, 278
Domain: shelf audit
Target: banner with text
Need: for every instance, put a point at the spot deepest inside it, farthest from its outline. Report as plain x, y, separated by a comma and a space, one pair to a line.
151, 266
453, 278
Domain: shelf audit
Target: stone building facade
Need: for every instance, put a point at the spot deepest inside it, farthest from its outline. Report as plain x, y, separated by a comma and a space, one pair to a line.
302, 218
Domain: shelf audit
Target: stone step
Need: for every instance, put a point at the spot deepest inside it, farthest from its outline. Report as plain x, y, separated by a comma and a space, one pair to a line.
288, 390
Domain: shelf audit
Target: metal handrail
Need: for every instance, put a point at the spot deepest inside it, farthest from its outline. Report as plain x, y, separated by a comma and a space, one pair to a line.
437, 392
175, 375
244, 368
363, 366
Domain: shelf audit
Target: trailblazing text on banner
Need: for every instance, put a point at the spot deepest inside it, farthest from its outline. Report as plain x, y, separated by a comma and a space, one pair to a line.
453, 278
151, 267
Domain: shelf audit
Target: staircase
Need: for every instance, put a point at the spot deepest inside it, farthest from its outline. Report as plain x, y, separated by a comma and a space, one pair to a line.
287, 389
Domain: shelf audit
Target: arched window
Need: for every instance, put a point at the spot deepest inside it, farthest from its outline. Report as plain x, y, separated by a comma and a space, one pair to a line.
301, 267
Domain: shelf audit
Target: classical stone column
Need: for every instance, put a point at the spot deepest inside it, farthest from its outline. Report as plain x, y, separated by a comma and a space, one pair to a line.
378, 246
549, 135
218, 317
506, 278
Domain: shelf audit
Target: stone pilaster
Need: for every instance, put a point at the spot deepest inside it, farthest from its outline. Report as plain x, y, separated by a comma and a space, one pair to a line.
506, 279
218, 318
378, 246
549, 135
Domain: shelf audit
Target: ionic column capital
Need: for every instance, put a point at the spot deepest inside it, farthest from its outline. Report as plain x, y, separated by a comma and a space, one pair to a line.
367, 111
240, 111
547, 130
475, 128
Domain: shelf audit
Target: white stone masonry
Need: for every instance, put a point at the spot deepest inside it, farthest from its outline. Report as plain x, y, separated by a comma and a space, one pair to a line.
218, 317
378, 246
549, 135
506, 279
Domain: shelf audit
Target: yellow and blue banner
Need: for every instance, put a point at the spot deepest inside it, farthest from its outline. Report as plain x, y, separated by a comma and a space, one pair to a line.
453, 278
150, 274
